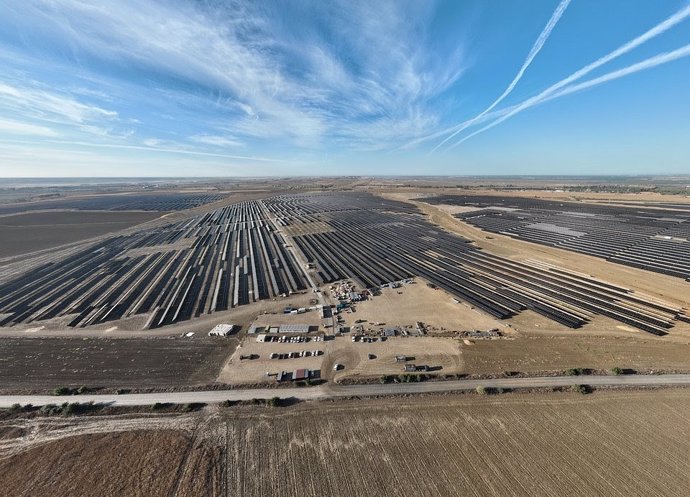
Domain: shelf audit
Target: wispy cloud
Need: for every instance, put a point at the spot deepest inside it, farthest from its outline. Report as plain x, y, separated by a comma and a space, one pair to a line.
536, 48
33, 102
368, 64
24, 159
551, 91
22, 128
217, 141
283, 84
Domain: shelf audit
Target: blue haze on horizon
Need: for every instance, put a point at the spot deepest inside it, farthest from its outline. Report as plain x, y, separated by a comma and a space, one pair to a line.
249, 88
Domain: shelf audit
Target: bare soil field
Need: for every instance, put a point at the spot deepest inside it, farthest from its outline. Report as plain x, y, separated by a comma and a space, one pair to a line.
142, 463
24, 233
541, 353
610, 443
555, 194
404, 306
31, 364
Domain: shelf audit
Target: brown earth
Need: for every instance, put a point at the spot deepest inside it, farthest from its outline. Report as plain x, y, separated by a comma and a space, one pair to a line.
136, 463
24, 233
609, 443
30, 364
548, 352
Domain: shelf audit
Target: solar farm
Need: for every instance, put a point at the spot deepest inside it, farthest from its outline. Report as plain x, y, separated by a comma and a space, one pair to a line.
379, 241
222, 259
652, 238
240, 254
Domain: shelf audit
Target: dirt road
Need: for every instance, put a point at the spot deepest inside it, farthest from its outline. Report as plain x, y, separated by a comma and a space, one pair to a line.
329, 391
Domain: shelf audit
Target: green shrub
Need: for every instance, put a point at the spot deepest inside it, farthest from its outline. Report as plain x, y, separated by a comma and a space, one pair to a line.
583, 389
481, 390
192, 406
617, 371
47, 409
69, 409
62, 391
157, 406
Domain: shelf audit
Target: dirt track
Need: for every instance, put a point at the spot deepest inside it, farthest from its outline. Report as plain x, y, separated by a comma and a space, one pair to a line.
334, 391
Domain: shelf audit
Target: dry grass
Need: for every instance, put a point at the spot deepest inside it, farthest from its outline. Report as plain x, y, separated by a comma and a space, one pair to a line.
137, 463
416, 302
38, 364
621, 443
606, 444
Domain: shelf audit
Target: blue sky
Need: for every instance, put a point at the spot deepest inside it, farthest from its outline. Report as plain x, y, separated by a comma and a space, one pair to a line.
297, 87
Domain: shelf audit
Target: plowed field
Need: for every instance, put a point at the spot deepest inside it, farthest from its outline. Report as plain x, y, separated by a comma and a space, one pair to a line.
618, 443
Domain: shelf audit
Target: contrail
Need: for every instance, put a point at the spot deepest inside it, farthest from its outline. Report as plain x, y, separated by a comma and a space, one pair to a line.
649, 63
536, 48
660, 28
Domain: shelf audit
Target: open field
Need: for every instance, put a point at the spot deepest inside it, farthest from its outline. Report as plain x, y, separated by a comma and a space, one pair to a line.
23, 233
137, 463
30, 364
531, 353
403, 306
124, 201
623, 443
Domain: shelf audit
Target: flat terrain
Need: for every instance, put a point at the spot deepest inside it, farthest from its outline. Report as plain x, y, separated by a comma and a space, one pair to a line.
671, 289
443, 355
31, 232
438, 310
556, 352
530, 343
45, 363
137, 463
620, 443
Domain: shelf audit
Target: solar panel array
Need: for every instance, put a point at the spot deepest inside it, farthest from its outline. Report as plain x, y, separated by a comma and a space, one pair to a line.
652, 238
